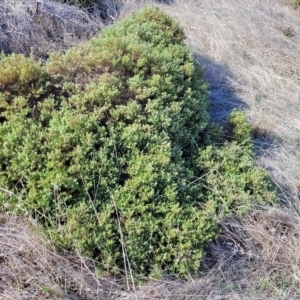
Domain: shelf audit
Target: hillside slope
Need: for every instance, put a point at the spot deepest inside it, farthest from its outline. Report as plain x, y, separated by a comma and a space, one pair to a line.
250, 53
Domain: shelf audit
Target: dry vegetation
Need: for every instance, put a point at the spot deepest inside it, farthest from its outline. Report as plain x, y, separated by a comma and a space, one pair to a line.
38, 28
31, 269
255, 257
250, 50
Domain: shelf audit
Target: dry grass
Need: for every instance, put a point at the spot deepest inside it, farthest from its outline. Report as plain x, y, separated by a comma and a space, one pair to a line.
28, 27
43, 26
31, 269
255, 257
251, 63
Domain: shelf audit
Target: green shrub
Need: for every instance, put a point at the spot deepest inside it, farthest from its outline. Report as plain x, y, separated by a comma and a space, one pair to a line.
106, 146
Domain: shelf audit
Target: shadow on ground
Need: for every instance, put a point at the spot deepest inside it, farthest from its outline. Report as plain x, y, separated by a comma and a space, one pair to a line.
222, 95
223, 99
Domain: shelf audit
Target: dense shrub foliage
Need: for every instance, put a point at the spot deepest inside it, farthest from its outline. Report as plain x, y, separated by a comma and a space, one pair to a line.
109, 146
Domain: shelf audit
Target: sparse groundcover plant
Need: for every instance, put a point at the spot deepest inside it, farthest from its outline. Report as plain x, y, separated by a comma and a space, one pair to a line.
288, 31
107, 146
